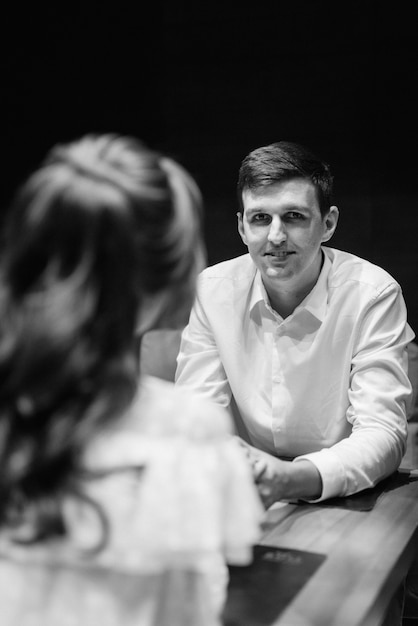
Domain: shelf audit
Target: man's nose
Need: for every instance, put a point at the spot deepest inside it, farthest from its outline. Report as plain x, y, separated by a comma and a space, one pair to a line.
277, 232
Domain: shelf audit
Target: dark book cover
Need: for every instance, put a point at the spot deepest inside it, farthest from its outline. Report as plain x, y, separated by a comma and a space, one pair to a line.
259, 592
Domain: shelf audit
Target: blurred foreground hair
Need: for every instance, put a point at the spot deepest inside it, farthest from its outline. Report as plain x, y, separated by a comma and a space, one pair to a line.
103, 237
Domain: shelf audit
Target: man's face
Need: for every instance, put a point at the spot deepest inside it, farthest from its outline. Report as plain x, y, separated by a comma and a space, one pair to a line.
283, 229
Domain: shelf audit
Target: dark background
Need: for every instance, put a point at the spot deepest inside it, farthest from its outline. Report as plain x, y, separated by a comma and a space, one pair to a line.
208, 82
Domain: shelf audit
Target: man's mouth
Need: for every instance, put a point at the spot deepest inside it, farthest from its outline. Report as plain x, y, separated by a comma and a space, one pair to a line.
279, 254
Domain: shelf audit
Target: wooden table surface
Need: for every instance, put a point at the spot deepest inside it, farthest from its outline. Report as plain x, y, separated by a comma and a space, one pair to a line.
367, 554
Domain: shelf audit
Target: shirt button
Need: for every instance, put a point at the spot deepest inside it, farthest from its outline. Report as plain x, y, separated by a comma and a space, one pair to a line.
276, 379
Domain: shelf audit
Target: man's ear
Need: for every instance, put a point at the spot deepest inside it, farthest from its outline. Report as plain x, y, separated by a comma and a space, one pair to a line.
241, 227
330, 222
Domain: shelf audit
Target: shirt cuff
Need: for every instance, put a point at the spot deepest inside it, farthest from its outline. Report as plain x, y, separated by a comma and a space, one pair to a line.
331, 471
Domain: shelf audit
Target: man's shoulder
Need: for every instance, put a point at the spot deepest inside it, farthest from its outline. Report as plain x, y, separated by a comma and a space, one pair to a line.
348, 268
226, 282
240, 268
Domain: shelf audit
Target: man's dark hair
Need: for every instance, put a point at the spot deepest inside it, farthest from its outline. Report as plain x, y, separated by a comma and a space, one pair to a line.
285, 160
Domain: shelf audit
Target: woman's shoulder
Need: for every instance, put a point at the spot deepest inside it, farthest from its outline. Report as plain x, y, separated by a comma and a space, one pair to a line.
159, 414
162, 406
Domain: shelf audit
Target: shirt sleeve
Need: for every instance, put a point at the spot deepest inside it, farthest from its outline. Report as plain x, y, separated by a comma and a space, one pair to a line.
378, 395
199, 365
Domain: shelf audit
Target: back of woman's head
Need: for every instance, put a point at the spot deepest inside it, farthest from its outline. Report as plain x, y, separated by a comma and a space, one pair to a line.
100, 233
110, 210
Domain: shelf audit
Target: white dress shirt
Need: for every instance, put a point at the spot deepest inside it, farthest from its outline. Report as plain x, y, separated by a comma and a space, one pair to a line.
328, 383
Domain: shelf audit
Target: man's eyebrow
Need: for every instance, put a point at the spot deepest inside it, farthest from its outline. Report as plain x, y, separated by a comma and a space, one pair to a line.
289, 207
256, 209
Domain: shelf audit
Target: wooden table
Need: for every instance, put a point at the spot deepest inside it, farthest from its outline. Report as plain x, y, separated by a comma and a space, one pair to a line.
367, 553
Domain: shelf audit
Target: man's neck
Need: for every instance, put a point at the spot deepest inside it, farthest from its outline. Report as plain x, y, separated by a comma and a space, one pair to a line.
285, 304
285, 299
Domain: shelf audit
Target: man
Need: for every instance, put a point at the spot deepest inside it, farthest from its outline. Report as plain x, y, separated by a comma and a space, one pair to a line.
310, 341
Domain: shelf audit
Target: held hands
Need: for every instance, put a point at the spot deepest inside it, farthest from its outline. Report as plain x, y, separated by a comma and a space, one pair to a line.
269, 474
282, 480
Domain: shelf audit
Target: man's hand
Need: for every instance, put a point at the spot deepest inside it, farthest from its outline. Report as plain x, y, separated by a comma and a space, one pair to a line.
282, 480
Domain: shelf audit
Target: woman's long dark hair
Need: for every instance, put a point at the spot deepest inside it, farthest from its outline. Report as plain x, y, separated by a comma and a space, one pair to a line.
103, 227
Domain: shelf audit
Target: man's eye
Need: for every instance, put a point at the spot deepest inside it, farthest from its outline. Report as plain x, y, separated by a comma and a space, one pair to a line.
294, 215
260, 218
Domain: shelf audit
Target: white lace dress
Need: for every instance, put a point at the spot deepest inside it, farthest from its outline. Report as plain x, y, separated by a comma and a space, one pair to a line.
178, 495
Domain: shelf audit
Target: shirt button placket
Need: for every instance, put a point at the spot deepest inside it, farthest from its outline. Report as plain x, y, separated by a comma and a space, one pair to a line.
277, 408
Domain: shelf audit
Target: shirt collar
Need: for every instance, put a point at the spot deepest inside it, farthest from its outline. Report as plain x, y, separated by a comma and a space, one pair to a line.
316, 300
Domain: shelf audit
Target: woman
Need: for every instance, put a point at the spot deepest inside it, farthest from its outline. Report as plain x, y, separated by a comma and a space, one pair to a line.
120, 500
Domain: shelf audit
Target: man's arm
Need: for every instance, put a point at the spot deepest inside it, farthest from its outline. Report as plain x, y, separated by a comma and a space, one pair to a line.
199, 366
378, 393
